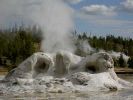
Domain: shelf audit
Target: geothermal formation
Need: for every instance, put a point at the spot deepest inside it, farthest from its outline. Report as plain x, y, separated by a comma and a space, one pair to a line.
57, 69
64, 72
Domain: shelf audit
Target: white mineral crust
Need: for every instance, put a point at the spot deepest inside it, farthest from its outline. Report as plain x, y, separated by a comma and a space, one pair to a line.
64, 72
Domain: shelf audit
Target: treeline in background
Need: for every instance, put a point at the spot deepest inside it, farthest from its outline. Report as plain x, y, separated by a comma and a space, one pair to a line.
18, 43
110, 43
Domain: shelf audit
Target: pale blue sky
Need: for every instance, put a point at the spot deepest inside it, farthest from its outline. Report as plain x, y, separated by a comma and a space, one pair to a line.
102, 17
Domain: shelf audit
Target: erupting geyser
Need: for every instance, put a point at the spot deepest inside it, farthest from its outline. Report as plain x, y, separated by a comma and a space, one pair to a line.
56, 70
54, 17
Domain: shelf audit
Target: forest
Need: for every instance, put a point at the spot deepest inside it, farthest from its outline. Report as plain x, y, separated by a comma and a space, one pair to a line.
18, 43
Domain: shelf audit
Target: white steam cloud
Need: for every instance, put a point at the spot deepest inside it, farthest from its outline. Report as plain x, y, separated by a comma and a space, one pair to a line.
53, 16
85, 47
116, 55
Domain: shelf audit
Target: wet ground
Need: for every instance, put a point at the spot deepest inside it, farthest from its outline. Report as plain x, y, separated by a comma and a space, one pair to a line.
118, 95
113, 95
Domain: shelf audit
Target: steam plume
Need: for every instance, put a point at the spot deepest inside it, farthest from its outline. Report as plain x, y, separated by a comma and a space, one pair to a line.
53, 16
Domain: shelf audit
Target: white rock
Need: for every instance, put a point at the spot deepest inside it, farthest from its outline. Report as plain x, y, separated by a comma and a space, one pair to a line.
64, 72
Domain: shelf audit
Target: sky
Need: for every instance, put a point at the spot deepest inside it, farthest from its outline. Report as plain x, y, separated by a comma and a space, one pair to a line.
104, 17
96, 17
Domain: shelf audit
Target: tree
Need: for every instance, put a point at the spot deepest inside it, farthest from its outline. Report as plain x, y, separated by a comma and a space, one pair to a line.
121, 61
130, 62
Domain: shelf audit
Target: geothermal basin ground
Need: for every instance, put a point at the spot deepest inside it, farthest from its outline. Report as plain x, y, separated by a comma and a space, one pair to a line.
111, 95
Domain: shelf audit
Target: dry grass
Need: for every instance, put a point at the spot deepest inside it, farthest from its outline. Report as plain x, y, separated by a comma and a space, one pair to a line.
124, 70
3, 71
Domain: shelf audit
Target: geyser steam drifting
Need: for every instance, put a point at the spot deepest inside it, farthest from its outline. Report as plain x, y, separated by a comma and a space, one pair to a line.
53, 16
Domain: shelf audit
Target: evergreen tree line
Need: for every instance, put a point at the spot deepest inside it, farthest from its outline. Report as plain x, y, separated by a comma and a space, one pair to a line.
16, 44
111, 43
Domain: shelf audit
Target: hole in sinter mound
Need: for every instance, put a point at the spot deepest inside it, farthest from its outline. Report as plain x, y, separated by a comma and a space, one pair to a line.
90, 69
41, 66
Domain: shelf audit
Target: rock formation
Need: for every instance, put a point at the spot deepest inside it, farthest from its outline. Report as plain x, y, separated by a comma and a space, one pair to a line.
64, 71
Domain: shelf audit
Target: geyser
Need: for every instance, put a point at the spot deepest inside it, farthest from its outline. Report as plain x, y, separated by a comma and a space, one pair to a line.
56, 71
66, 72
54, 17
57, 25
